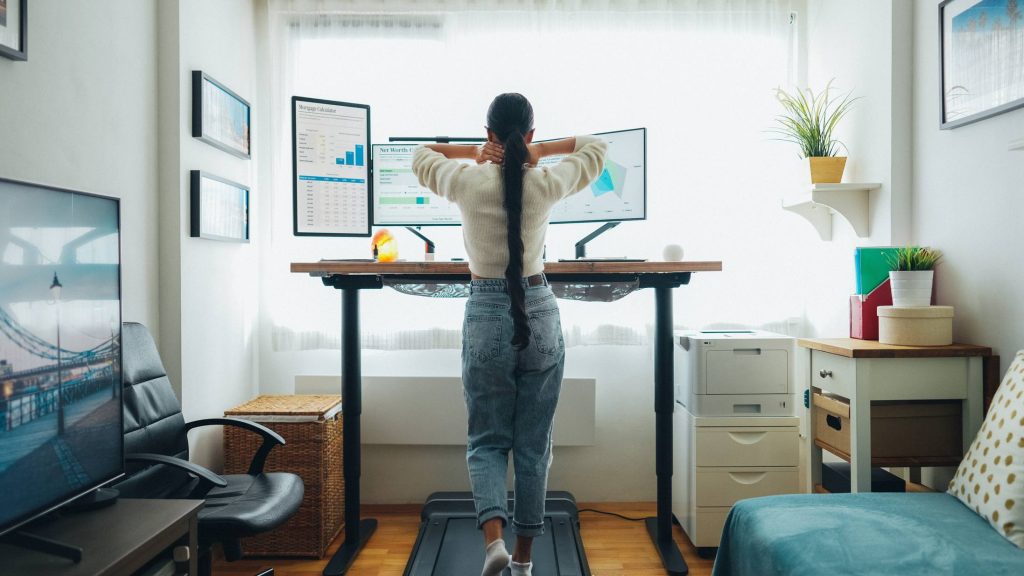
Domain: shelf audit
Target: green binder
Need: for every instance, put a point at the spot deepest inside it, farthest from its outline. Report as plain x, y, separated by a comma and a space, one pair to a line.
872, 267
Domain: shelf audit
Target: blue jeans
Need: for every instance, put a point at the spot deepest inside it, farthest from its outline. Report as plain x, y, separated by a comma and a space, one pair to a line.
511, 396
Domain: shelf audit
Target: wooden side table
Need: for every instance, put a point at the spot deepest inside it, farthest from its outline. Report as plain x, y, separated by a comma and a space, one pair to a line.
864, 371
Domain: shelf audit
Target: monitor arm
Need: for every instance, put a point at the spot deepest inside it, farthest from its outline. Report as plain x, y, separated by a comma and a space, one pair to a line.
430, 243
581, 246
436, 139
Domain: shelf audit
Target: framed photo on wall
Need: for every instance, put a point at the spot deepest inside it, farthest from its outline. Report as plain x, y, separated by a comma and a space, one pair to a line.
981, 67
220, 117
220, 208
14, 29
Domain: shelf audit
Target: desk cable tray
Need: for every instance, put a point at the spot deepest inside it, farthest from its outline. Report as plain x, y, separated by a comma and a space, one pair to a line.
587, 292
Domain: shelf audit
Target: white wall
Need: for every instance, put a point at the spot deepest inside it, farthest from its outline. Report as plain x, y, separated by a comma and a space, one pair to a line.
79, 114
618, 467
968, 199
85, 113
210, 305
965, 185
865, 47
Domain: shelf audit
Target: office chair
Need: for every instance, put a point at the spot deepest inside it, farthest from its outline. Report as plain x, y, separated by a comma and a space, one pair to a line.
156, 456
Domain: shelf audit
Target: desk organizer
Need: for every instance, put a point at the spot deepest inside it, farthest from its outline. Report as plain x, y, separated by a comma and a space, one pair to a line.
312, 429
864, 311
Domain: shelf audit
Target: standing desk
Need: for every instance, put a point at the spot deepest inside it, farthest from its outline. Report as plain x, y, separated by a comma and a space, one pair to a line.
351, 277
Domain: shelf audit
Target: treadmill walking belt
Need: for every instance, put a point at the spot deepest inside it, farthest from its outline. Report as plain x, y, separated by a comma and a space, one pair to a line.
449, 543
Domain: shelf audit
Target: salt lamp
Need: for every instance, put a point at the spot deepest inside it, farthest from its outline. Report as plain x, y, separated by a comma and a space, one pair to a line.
384, 245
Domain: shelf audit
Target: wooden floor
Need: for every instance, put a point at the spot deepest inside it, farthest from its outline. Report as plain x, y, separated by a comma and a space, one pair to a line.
615, 547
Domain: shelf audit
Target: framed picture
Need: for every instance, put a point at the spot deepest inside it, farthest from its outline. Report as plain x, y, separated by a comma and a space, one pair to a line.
981, 51
220, 117
14, 29
220, 208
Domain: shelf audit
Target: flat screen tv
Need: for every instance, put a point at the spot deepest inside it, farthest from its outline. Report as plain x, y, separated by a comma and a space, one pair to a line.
60, 348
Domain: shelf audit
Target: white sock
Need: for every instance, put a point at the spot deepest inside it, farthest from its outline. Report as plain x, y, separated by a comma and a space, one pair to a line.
497, 558
522, 569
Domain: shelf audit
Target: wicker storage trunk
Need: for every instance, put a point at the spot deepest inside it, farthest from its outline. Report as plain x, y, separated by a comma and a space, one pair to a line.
311, 428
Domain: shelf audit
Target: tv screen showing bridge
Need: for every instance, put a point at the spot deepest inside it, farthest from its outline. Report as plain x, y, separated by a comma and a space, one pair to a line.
60, 325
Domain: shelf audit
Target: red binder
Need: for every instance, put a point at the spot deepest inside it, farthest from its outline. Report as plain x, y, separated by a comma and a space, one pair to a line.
864, 311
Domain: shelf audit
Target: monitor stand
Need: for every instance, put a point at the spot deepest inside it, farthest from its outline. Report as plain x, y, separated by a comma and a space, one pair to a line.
581, 246
429, 249
98, 498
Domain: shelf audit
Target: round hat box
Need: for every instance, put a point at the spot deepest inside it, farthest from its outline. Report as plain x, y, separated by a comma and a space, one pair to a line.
915, 325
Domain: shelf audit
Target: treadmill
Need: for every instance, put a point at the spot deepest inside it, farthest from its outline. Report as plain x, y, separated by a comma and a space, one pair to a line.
450, 544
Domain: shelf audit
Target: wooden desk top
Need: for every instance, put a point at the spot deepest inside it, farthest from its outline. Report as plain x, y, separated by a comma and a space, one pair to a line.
327, 267
854, 348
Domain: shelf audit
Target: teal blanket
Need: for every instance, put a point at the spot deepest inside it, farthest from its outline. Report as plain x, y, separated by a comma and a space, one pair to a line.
865, 534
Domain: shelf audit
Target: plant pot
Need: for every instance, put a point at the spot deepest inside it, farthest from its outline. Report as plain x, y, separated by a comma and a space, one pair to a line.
827, 169
911, 287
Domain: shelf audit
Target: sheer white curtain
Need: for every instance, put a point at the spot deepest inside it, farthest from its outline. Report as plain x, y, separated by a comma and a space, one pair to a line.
700, 75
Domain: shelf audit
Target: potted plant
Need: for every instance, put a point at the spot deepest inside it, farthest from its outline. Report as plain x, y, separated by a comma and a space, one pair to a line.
912, 273
808, 121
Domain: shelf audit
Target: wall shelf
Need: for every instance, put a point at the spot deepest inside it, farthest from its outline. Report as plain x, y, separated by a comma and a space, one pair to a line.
1017, 144
849, 200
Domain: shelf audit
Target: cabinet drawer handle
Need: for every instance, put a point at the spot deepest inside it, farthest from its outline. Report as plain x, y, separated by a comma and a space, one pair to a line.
747, 477
825, 373
747, 437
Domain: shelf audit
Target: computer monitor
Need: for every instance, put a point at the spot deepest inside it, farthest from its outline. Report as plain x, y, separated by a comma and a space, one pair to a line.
330, 168
398, 198
618, 194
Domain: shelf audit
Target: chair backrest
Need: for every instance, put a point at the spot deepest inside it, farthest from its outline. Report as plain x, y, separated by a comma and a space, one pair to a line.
153, 421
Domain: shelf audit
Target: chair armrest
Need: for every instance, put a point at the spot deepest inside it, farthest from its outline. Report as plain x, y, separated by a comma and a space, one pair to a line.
207, 479
270, 438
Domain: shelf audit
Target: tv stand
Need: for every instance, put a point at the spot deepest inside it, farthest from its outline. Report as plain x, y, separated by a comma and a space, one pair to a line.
118, 539
35, 543
581, 246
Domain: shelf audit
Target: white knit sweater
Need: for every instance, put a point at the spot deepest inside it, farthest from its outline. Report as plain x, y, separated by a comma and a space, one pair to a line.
479, 193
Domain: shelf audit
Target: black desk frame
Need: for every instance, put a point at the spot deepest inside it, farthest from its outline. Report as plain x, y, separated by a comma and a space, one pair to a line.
359, 530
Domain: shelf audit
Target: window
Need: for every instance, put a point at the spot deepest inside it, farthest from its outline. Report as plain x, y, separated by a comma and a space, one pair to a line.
699, 75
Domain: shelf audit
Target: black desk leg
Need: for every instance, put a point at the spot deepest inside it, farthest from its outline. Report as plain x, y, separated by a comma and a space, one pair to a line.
357, 531
660, 528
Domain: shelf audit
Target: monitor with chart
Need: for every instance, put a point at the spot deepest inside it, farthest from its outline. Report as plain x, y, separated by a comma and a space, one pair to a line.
398, 198
619, 193
331, 168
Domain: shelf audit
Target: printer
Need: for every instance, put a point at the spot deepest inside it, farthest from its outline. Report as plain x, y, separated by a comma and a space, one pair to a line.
735, 373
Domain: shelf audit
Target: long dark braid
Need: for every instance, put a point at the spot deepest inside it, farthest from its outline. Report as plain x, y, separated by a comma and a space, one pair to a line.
510, 117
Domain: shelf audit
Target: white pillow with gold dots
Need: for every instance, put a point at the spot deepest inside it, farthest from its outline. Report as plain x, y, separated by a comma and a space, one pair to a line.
990, 479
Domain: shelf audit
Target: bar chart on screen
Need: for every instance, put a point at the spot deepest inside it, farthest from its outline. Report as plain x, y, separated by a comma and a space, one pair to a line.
331, 172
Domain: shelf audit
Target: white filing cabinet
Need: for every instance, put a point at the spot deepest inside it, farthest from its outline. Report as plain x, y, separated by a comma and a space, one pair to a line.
720, 460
